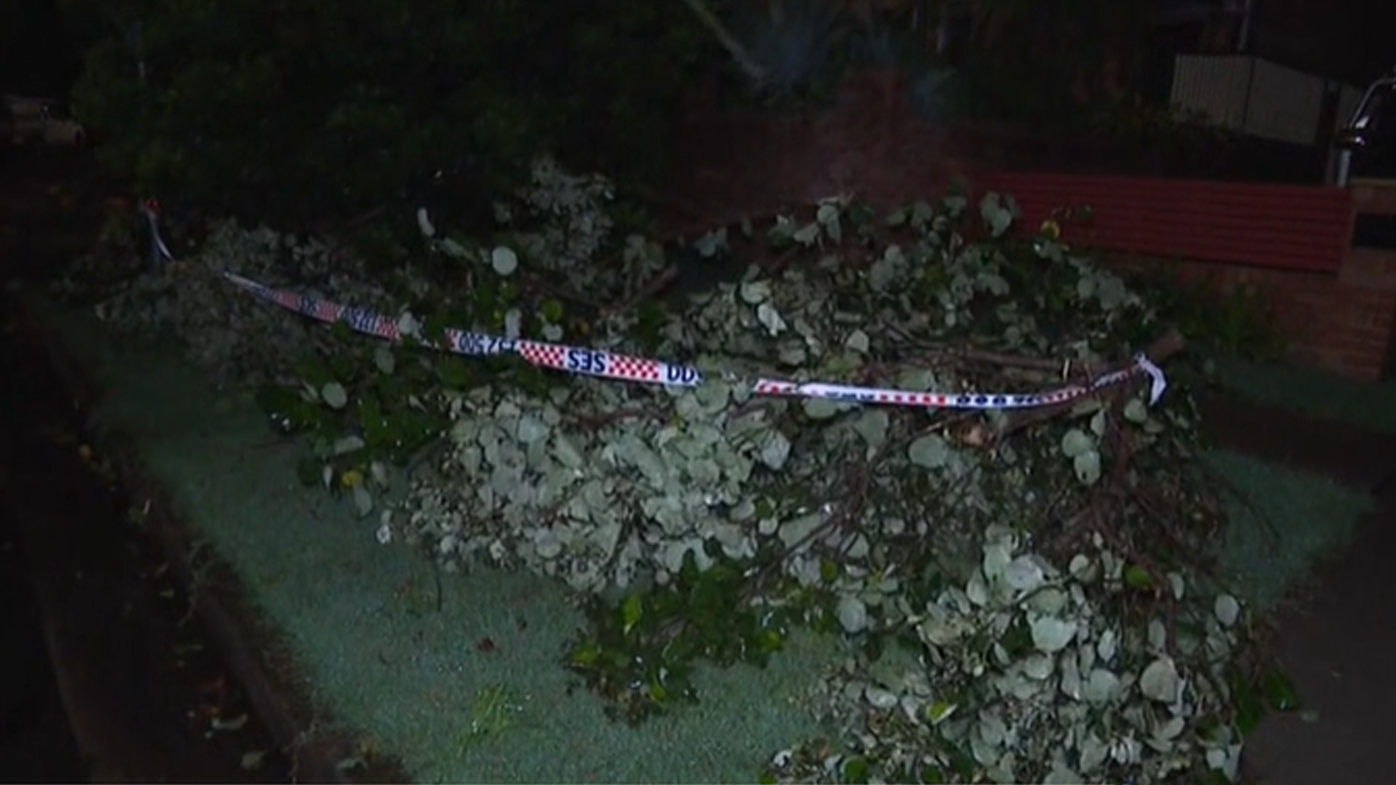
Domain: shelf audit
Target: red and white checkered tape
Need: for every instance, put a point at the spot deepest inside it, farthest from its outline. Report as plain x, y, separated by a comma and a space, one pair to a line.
636, 368
545, 354
593, 362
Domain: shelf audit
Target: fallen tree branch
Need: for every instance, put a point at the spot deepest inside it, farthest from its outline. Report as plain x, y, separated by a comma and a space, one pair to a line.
1159, 351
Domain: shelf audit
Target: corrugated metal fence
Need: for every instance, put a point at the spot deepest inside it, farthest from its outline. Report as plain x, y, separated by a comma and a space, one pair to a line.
1260, 98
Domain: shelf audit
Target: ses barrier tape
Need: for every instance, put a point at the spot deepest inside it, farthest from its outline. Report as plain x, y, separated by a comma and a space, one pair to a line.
609, 365
620, 367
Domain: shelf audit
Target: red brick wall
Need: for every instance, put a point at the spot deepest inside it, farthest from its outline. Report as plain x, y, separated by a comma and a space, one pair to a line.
1342, 324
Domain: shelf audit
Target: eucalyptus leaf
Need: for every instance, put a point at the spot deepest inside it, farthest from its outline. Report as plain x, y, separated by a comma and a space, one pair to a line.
1024, 574
1087, 467
775, 450
1051, 634
858, 341
424, 223
1098, 423
770, 318
383, 359
1061, 774
1160, 681
853, 614
872, 425
1171, 729
1136, 412
334, 396
929, 452
807, 234
821, 408
1076, 442
1100, 686
755, 292
1227, 609
504, 261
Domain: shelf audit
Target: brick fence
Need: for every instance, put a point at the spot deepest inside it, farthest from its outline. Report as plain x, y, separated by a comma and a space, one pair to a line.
1335, 303
1341, 323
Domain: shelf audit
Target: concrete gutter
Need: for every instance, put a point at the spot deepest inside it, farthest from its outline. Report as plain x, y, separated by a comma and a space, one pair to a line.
265, 670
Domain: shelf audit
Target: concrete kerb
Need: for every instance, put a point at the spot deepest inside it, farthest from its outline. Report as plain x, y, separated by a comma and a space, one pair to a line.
265, 669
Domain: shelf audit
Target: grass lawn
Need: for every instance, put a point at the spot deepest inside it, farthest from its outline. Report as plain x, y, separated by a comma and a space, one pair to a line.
1371, 406
1282, 522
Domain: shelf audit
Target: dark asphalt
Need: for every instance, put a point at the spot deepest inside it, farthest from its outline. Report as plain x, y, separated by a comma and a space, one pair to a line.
1336, 640
104, 675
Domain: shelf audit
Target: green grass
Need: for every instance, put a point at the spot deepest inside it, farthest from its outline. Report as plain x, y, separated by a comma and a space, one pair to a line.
361, 617
1371, 406
1283, 522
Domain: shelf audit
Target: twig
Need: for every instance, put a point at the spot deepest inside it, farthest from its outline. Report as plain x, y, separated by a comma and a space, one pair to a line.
552, 289
1162, 588
651, 288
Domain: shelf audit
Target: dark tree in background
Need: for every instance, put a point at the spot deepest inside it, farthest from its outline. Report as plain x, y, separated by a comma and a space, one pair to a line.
38, 53
315, 110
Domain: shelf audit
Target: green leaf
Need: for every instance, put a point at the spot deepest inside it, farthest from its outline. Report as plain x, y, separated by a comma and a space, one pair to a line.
287, 410
1278, 689
829, 570
939, 711
1136, 577
855, 770
932, 775
453, 373
631, 612
1250, 710
586, 655
553, 311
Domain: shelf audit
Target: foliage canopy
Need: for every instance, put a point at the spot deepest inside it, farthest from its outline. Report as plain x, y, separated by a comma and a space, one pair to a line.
317, 110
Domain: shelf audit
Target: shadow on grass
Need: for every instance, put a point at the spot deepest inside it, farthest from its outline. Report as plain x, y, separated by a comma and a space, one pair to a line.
1320, 395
